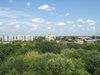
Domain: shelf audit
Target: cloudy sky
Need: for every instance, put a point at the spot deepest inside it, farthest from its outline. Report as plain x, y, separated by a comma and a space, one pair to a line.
56, 17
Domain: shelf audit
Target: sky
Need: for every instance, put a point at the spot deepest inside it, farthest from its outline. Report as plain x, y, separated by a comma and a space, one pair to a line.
54, 17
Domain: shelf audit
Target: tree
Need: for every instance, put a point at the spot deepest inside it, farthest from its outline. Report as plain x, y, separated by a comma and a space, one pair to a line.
12, 72
92, 61
97, 71
52, 64
49, 46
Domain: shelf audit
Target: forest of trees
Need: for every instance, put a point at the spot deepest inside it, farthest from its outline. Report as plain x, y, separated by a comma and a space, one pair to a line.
41, 57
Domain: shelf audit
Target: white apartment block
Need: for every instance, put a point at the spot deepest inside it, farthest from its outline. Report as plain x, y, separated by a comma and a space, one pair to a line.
10, 38
50, 37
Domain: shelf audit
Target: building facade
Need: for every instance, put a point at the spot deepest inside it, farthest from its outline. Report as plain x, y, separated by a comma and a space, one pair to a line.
50, 37
10, 38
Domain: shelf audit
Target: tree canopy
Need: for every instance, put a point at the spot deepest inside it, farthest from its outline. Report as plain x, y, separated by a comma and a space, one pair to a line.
41, 57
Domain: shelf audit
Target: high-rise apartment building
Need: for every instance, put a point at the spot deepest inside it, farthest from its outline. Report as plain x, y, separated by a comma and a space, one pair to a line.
10, 38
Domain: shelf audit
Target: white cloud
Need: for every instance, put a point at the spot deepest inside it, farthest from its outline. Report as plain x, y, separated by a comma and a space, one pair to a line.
61, 24
49, 23
67, 14
93, 28
28, 4
46, 7
49, 28
88, 22
73, 25
7, 12
34, 29
35, 25
80, 20
1, 23
38, 20
71, 28
17, 26
9, 22
13, 22
70, 22
91, 22
80, 26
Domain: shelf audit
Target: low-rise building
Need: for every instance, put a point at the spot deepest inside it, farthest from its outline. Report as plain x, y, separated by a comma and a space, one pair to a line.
87, 40
91, 41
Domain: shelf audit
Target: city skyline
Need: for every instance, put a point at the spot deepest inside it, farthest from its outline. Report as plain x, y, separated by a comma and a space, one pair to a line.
56, 17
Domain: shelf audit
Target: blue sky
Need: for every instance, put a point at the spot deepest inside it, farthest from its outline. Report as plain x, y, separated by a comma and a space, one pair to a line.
56, 17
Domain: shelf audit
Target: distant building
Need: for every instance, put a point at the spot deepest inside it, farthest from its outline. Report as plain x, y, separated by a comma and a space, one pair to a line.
88, 40
98, 40
80, 41
50, 37
10, 38
84, 38
91, 41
